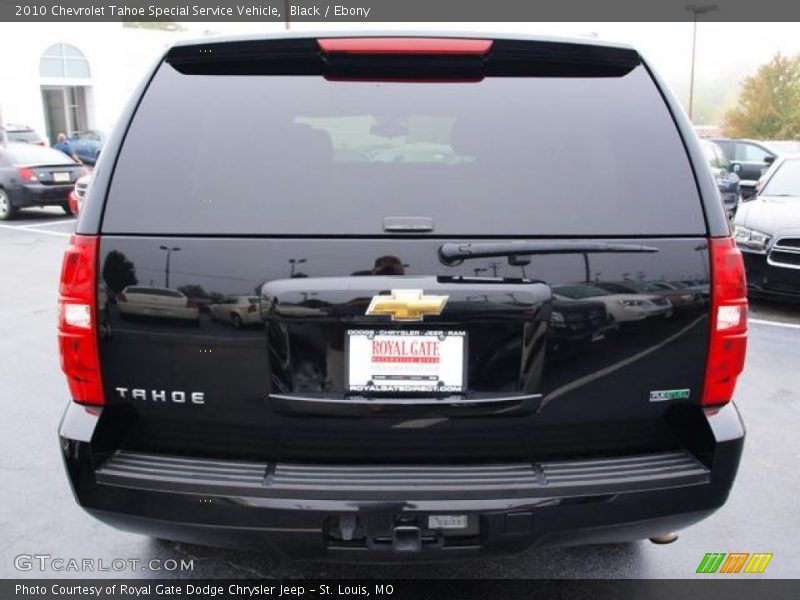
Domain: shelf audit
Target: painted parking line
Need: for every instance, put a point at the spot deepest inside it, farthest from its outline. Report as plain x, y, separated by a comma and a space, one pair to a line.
774, 323
30, 230
45, 224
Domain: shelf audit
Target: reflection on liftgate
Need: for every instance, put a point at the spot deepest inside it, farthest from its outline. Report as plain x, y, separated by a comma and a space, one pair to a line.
326, 377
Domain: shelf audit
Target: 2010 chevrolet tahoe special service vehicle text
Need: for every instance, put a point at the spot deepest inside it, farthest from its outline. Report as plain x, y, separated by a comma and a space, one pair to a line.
425, 243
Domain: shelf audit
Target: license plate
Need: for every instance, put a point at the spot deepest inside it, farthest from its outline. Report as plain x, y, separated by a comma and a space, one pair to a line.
406, 361
61, 177
447, 522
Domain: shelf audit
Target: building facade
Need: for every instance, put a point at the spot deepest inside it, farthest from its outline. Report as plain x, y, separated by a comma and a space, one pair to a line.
70, 77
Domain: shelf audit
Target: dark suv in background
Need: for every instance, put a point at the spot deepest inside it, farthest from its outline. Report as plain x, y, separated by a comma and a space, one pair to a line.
725, 173
753, 158
404, 211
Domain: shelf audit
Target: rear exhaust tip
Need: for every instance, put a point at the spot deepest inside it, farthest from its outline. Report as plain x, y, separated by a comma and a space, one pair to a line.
666, 538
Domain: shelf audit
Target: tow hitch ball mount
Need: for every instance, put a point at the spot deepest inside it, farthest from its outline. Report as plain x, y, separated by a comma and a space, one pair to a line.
406, 538
400, 535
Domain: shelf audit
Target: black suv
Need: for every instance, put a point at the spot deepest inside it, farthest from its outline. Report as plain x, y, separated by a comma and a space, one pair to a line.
752, 158
402, 208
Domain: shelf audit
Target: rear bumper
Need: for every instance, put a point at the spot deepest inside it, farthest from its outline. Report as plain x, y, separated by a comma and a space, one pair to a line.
357, 512
763, 279
37, 194
74, 203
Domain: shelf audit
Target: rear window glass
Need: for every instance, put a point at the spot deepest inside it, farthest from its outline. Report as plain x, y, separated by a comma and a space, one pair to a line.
626, 287
578, 292
785, 181
23, 135
29, 155
154, 292
92, 136
784, 146
233, 154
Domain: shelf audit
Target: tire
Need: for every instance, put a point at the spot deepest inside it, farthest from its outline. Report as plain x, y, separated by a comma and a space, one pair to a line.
236, 320
7, 210
105, 328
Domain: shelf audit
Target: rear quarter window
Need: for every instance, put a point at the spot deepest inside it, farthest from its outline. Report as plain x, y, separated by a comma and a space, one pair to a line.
30, 155
785, 181
154, 292
23, 136
503, 156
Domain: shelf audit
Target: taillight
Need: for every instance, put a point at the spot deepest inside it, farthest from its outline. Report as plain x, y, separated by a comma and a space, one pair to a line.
409, 45
77, 320
122, 297
251, 308
728, 342
191, 303
26, 174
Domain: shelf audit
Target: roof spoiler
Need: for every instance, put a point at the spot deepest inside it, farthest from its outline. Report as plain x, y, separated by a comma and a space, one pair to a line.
403, 57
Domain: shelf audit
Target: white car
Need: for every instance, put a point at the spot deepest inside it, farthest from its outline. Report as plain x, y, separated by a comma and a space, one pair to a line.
145, 301
625, 308
237, 310
78, 194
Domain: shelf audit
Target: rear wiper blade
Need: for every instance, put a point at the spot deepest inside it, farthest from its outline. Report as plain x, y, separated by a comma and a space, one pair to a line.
452, 253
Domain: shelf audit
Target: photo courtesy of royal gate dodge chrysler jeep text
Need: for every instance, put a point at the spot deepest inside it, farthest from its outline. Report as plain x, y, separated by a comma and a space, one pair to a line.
462, 329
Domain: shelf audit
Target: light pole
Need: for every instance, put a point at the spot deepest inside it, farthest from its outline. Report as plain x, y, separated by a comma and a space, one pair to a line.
166, 266
696, 10
587, 275
293, 262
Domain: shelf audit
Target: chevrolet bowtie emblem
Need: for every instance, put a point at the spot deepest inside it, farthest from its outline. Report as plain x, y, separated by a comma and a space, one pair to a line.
406, 305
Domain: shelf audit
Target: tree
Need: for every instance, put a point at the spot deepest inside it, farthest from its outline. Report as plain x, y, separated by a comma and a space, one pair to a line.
118, 271
769, 103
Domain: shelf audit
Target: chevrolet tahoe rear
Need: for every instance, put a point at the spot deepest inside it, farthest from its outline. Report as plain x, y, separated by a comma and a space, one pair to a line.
424, 228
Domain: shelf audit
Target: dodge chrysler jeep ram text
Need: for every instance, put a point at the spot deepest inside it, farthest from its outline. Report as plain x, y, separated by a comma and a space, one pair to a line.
457, 339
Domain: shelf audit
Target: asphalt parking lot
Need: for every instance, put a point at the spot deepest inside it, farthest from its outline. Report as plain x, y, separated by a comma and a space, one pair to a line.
38, 514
